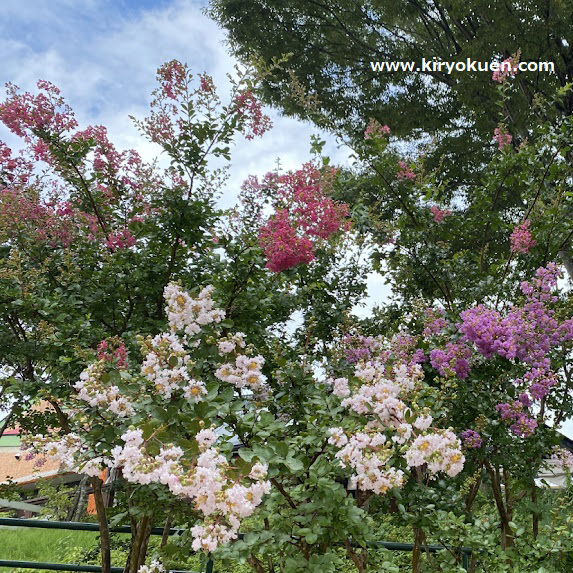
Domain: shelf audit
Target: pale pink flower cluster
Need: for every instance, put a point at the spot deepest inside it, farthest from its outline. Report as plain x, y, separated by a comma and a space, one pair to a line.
166, 366
339, 387
223, 501
154, 567
245, 373
72, 453
190, 314
368, 455
230, 344
439, 214
375, 130
562, 459
502, 138
440, 451
405, 172
507, 68
98, 394
381, 396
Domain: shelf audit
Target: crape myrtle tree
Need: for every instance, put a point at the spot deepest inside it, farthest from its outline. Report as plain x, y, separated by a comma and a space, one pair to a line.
451, 118
151, 383
91, 238
455, 260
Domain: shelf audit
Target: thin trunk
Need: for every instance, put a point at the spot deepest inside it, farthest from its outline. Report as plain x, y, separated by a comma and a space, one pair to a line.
473, 561
137, 544
358, 555
256, 564
103, 525
535, 513
144, 543
503, 510
417, 551
166, 529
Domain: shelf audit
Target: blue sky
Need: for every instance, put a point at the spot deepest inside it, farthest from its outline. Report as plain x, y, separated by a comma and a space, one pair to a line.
103, 55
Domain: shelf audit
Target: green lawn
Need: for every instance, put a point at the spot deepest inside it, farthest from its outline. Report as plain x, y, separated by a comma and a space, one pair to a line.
47, 545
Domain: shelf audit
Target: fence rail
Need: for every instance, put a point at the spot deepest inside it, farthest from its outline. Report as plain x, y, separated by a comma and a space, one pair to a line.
79, 526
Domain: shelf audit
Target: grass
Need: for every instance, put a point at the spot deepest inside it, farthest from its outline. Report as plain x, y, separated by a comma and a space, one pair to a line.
45, 545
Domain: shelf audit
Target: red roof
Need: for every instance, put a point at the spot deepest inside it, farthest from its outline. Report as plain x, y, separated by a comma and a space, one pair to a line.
11, 432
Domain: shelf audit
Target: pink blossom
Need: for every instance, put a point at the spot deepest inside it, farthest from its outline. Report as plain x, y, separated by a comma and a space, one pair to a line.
254, 123
502, 137
521, 238
405, 172
439, 214
506, 68
374, 130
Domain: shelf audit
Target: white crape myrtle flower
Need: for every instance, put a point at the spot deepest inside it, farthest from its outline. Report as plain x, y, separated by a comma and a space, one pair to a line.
188, 315
70, 451
98, 394
206, 438
340, 387
171, 370
441, 451
194, 391
166, 365
245, 373
154, 567
381, 397
205, 483
230, 344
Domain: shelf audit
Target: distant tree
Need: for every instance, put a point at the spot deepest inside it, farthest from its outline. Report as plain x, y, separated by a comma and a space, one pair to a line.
333, 42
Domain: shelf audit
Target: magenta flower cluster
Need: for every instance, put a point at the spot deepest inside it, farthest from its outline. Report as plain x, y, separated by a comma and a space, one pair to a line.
521, 239
305, 216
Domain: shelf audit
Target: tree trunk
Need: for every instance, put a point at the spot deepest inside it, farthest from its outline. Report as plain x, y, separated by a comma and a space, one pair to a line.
140, 532
80, 500
358, 555
417, 551
103, 526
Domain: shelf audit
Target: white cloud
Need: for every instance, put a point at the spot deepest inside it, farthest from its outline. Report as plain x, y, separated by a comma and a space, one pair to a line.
103, 55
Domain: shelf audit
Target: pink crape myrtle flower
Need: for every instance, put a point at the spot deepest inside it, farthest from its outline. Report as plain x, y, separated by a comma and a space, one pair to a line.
502, 137
405, 172
304, 218
507, 68
374, 130
521, 238
439, 214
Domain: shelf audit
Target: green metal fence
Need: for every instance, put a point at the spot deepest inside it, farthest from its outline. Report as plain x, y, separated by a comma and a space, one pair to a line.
79, 526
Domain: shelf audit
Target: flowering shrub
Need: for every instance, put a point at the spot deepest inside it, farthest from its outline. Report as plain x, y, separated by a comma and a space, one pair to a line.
201, 473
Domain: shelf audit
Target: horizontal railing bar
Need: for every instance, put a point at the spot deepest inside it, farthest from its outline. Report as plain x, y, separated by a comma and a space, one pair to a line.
62, 566
56, 566
74, 525
79, 526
